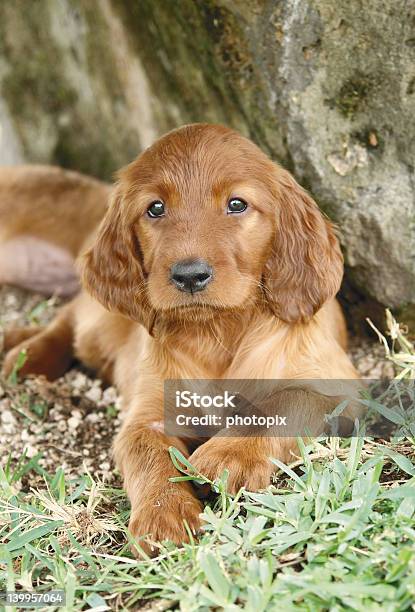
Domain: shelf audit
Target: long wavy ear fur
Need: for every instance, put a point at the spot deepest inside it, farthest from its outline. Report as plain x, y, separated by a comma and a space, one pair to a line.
306, 265
112, 269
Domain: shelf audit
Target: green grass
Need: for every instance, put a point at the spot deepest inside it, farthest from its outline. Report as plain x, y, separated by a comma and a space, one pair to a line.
329, 535
336, 531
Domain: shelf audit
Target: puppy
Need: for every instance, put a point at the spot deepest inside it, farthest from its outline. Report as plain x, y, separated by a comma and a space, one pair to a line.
211, 262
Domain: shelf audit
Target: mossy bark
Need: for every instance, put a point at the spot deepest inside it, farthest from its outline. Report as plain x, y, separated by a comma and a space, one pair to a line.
63, 87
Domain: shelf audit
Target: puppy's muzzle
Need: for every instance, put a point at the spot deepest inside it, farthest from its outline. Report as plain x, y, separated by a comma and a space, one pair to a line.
191, 275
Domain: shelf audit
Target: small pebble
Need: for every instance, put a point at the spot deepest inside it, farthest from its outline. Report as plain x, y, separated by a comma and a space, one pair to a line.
94, 394
11, 301
79, 382
30, 451
109, 396
92, 417
73, 422
7, 417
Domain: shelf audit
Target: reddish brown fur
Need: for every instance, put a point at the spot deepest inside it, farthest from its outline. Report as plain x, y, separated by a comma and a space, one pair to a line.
268, 313
46, 216
60, 206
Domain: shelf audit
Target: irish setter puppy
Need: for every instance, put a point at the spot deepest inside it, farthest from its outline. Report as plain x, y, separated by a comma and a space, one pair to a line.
211, 262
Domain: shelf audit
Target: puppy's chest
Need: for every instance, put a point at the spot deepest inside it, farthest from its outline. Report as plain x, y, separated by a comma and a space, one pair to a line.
199, 355
218, 353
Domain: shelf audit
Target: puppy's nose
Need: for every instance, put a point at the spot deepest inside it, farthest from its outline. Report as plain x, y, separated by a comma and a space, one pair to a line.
191, 275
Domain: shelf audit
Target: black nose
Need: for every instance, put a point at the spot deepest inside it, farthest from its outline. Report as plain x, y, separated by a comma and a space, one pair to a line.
191, 275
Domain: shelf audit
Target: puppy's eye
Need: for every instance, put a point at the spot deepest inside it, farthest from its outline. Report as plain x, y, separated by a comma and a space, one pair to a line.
236, 205
156, 209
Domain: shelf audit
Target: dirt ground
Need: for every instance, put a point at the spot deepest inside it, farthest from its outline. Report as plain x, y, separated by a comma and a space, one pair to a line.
72, 421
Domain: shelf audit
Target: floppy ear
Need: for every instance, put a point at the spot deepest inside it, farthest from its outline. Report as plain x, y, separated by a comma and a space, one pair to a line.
305, 268
112, 269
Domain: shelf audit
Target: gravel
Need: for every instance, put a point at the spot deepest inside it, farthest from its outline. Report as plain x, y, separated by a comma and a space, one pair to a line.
70, 422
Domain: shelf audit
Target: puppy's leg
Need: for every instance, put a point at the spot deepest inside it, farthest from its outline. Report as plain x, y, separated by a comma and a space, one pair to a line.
158, 507
248, 458
48, 352
14, 336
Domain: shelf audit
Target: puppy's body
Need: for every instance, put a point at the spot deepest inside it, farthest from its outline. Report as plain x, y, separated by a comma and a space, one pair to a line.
46, 216
266, 311
247, 345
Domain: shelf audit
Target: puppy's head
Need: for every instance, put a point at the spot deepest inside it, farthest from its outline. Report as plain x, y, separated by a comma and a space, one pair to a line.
203, 222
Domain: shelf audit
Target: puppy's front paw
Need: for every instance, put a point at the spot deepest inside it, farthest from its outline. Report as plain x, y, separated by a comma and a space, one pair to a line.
161, 517
247, 466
